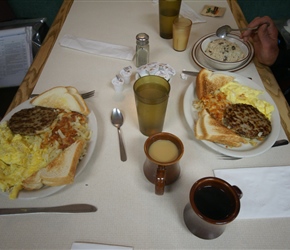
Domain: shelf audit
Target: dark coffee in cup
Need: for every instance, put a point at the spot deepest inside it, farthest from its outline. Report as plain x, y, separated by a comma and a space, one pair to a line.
214, 203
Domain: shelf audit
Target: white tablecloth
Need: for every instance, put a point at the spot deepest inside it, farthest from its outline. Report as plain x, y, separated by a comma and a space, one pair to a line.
129, 213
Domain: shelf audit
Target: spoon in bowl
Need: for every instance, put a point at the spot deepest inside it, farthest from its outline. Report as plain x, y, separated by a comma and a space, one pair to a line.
117, 121
226, 29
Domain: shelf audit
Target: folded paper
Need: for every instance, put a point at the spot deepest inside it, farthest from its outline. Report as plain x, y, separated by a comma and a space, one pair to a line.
94, 246
266, 190
189, 13
97, 48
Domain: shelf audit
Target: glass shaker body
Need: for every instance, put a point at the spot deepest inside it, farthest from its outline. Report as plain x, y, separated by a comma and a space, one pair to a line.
142, 49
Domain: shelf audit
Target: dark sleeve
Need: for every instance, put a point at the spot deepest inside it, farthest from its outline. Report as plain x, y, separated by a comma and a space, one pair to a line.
283, 59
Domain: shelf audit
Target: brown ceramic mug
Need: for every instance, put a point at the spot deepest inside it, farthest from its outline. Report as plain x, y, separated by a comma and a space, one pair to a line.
162, 172
213, 203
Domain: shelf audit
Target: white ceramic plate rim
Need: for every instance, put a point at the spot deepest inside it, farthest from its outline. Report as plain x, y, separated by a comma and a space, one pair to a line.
246, 150
46, 191
196, 55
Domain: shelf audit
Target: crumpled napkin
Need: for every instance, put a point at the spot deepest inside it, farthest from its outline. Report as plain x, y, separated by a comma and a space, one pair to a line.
92, 246
97, 48
189, 13
266, 190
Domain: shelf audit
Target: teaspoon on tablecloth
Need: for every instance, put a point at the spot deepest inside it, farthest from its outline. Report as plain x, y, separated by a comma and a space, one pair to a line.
117, 121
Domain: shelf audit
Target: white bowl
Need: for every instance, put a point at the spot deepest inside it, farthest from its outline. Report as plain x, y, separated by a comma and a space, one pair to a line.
220, 65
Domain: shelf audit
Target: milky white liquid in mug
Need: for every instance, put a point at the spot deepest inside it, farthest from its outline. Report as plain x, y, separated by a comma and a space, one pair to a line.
163, 151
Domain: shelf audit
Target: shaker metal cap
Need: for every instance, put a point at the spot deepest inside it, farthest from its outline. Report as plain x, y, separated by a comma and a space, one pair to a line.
142, 38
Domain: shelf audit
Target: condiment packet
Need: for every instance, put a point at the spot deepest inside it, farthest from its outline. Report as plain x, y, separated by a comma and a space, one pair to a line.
126, 74
213, 11
154, 68
118, 84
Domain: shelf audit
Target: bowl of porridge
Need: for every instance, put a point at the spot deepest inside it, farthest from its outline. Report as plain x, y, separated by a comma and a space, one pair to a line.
224, 53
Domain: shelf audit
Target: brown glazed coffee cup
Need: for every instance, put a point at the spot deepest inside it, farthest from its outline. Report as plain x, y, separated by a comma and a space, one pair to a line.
213, 203
162, 173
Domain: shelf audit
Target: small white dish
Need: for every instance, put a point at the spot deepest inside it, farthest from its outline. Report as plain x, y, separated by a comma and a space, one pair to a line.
199, 58
219, 64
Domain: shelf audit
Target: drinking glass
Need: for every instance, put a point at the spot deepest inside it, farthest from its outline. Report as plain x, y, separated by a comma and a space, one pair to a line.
168, 11
151, 97
181, 33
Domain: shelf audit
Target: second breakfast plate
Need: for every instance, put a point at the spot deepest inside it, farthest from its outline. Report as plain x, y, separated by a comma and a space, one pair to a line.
246, 150
45, 190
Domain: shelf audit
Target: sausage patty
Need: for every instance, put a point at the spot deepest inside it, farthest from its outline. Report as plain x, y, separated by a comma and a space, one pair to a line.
31, 121
246, 121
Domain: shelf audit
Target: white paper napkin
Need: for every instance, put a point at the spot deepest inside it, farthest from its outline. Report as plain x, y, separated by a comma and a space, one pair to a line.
93, 246
266, 190
189, 13
97, 48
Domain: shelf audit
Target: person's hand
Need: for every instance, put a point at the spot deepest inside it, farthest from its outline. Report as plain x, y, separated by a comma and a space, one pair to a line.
265, 39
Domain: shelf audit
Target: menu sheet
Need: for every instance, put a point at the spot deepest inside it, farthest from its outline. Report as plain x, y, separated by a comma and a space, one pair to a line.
15, 55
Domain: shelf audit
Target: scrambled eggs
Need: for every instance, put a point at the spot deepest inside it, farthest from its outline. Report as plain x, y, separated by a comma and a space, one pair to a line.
20, 157
237, 93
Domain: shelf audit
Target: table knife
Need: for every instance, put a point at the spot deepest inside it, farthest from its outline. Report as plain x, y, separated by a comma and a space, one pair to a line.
280, 143
191, 73
72, 208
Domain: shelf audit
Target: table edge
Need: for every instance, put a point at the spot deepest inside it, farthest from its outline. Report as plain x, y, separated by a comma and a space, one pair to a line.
30, 80
266, 74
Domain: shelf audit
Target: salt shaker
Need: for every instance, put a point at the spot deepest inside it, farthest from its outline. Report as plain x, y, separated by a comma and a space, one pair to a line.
142, 49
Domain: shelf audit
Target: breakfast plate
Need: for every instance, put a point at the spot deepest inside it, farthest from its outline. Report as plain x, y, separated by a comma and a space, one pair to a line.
198, 58
45, 190
246, 150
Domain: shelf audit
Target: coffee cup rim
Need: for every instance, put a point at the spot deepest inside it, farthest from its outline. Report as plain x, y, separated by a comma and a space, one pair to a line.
165, 136
217, 181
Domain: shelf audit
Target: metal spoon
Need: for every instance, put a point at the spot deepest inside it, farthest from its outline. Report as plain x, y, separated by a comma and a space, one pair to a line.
117, 121
226, 29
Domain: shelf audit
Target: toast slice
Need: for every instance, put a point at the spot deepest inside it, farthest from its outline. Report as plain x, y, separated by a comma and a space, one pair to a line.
73, 91
60, 171
207, 82
207, 128
66, 98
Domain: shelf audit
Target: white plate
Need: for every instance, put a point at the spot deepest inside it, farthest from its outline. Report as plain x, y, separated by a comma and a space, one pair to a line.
246, 150
198, 58
46, 191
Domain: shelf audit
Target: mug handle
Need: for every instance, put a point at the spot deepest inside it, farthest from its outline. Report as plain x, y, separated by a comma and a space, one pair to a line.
238, 191
160, 180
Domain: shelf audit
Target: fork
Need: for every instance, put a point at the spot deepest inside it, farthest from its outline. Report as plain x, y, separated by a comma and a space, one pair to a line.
84, 95
276, 144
